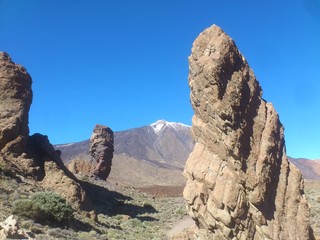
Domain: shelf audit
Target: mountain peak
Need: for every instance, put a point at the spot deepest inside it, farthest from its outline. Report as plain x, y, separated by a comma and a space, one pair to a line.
159, 125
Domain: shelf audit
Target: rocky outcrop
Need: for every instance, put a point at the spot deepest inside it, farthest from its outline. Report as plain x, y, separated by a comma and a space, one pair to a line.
32, 156
15, 101
240, 184
56, 177
101, 150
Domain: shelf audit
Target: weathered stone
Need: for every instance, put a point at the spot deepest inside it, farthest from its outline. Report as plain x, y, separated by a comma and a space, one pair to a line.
30, 156
10, 230
57, 177
15, 101
102, 150
58, 181
238, 172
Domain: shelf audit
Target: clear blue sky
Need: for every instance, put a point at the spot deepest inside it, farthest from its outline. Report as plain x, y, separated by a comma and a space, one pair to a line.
123, 63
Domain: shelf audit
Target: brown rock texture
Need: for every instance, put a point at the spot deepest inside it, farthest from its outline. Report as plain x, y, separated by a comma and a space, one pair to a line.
26, 155
57, 177
15, 101
101, 150
240, 184
81, 166
59, 181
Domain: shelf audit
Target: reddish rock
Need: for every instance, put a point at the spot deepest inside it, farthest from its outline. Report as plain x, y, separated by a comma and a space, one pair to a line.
15, 101
30, 156
101, 150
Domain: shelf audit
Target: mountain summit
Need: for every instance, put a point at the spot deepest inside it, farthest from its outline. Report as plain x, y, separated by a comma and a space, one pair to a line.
161, 125
152, 154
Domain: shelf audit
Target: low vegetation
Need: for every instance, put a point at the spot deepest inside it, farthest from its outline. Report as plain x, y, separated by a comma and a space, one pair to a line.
312, 190
133, 215
44, 206
128, 214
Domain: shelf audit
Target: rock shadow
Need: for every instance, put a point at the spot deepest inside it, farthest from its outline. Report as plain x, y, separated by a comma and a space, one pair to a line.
112, 203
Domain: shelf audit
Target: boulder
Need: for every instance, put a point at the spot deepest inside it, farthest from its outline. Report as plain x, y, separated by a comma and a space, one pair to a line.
101, 150
240, 184
9, 229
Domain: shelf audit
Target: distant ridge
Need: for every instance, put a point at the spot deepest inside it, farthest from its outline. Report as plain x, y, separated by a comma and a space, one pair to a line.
310, 169
156, 154
152, 154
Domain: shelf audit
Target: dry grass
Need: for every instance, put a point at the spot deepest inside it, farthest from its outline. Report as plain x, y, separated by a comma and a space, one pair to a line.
128, 214
312, 190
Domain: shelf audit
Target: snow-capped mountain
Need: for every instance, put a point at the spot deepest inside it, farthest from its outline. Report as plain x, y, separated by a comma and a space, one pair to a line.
156, 152
159, 125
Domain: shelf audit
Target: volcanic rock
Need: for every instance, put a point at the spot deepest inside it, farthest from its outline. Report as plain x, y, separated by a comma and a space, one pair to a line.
101, 150
240, 184
56, 176
15, 101
30, 156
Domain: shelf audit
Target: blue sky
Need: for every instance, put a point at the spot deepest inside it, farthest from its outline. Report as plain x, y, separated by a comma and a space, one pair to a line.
123, 63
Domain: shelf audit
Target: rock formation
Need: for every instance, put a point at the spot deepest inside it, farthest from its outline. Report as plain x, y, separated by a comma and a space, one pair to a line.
15, 101
57, 177
240, 184
101, 150
30, 156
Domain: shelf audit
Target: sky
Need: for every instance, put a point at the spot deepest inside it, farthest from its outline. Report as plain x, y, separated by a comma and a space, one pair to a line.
124, 63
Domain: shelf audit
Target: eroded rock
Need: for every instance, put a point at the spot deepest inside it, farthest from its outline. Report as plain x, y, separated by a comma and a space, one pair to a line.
56, 176
15, 101
101, 150
240, 184
33, 156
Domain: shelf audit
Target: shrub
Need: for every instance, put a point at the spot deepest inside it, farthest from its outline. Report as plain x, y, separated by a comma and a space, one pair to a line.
44, 206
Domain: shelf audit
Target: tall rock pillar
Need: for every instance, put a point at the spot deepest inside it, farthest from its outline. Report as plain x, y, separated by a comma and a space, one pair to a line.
101, 150
15, 101
240, 184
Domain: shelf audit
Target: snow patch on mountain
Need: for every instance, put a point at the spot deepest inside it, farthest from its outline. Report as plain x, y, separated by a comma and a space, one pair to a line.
64, 145
159, 125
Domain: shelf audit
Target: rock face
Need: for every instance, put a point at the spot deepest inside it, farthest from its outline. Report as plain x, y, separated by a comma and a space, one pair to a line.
32, 156
56, 176
240, 184
102, 150
15, 101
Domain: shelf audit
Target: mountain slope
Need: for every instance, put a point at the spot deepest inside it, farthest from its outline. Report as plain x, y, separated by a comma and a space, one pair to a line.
156, 154
310, 169
153, 154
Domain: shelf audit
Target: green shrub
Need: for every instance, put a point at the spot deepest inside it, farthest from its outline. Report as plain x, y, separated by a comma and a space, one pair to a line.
44, 206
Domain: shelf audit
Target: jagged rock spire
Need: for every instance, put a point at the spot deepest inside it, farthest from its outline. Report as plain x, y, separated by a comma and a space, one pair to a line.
240, 184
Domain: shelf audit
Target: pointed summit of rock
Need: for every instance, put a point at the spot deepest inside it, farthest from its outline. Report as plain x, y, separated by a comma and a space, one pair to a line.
240, 184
